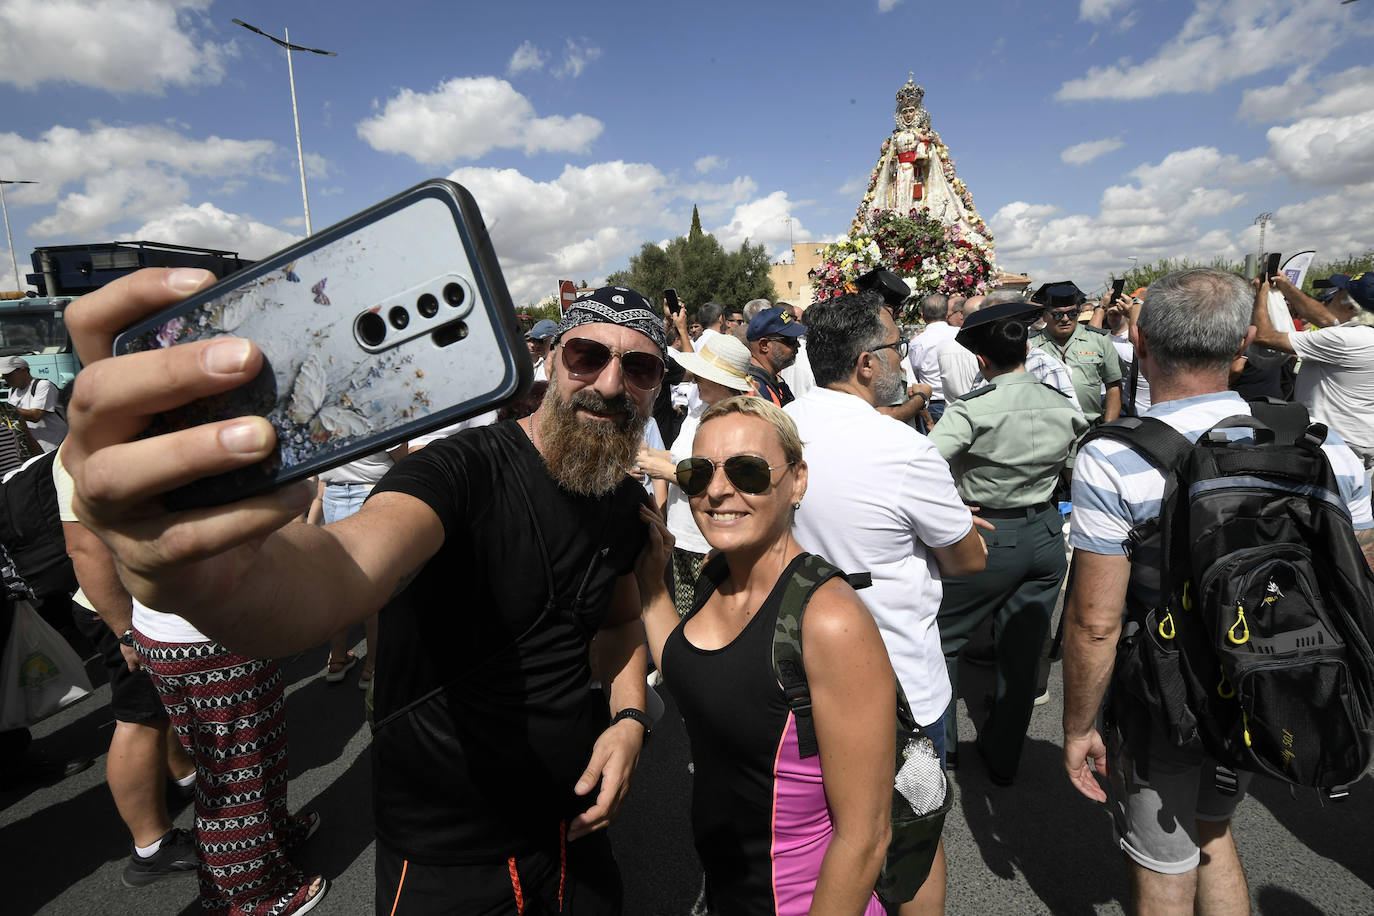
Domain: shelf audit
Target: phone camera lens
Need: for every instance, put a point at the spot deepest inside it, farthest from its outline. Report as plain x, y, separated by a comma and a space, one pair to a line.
399, 317
370, 328
427, 305
453, 294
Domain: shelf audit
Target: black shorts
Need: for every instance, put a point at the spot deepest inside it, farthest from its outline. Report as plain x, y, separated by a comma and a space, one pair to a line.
133, 698
584, 882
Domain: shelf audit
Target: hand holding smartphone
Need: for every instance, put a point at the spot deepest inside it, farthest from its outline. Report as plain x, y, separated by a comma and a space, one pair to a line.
671, 301
389, 324
1271, 265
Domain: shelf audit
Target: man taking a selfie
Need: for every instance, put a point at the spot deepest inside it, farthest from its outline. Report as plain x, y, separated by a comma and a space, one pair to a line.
496, 766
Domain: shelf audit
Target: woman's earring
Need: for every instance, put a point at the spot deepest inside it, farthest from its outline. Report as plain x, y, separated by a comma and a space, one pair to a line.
796, 505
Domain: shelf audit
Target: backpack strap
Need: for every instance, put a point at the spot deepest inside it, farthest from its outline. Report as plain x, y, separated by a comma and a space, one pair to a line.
1163, 445
1288, 419
807, 576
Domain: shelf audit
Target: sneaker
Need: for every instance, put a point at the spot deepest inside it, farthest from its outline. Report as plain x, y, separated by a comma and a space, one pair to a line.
176, 856
1043, 698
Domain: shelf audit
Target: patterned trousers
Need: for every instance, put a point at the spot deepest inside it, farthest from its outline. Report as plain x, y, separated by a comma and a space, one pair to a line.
230, 715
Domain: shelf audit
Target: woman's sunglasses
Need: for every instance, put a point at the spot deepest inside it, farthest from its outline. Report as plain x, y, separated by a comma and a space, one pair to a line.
583, 356
747, 473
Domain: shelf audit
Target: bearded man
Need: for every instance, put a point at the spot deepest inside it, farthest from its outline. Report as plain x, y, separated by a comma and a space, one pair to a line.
503, 550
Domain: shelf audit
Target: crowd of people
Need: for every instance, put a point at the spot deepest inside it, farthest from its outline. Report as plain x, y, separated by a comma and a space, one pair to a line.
530, 578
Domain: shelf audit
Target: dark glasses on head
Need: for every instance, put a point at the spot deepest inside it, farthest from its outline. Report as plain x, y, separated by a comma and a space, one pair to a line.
583, 356
747, 473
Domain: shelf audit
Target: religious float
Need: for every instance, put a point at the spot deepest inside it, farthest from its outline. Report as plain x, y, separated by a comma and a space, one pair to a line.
917, 218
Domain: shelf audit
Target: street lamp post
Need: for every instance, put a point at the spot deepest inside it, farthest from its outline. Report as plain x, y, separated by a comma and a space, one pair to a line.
285, 42
14, 262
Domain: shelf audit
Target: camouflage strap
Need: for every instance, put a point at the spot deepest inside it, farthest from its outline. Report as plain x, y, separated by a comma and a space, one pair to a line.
807, 576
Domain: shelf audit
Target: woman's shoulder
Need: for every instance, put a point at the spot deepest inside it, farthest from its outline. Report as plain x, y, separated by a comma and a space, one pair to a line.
835, 615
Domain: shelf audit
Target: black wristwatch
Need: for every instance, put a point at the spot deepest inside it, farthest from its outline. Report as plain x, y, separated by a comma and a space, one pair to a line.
128, 638
639, 715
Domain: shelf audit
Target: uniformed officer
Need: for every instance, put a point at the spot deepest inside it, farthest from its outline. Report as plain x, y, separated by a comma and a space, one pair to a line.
1087, 351
1006, 443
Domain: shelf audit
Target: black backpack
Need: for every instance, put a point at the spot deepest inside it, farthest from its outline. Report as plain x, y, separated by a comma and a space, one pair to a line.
1257, 648
31, 530
915, 837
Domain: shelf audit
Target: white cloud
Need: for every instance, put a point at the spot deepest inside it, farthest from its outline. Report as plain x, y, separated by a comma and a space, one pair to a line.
575, 58
1100, 11
762, 221
467, 117
1328, 151
208, 226
1267, 104
123, 172
709, 163
589, 220
885, 6
1158, 214
1221, 42
114, 45
1083, 153
526, 57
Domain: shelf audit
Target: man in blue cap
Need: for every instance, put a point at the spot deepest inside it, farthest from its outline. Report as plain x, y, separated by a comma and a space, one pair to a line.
1336, 378
773, 346
538, 339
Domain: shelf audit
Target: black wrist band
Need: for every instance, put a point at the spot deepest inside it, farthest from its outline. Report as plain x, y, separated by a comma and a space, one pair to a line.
639, 715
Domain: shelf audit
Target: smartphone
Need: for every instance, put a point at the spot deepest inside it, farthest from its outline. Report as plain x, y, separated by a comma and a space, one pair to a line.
1271, 266
389, 324
674, 306
1117, 287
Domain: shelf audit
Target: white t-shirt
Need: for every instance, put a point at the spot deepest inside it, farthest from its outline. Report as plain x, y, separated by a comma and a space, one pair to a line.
366, 470
654, 440
1336, 381
42, 395
482, 419
958, 369
1126, 351
686, 534
925, 366
878, 497
155, 625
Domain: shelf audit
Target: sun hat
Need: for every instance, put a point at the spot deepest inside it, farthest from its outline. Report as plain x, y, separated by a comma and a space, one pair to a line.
722, 359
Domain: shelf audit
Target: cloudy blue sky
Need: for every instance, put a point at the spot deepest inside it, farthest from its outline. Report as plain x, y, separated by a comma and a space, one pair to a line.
1089, 132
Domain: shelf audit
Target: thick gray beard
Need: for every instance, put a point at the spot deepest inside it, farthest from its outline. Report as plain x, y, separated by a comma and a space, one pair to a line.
887, 387
589, 458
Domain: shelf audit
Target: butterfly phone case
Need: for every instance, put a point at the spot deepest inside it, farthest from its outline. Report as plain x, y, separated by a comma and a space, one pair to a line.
385, 326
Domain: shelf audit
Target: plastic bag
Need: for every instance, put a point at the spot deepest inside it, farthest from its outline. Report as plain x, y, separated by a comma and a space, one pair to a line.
40, 673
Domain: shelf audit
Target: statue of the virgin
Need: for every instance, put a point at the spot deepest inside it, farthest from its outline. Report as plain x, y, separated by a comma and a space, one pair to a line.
914, 172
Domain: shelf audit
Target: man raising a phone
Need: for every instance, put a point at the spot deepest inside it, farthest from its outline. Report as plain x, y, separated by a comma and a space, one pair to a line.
495, 765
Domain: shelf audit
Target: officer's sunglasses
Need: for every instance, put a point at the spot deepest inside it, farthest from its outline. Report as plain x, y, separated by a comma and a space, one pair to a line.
1061, 314
583, 357
746, 473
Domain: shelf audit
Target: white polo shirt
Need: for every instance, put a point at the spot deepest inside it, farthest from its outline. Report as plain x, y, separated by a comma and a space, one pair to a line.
925, 366
878, 497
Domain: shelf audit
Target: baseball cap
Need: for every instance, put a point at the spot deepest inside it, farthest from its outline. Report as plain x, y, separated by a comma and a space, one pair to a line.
543, 329
11, 363
774, 321
1360, 287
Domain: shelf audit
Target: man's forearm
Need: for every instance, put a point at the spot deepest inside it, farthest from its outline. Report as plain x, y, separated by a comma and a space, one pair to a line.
1366, 541
623, 655
32, 414
1088, 662
95, 573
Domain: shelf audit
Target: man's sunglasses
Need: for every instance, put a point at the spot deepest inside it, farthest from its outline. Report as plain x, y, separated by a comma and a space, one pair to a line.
1061, 314
583, 356
747, 473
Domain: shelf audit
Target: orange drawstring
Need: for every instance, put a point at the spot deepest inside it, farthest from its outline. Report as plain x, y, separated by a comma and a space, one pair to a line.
515, 885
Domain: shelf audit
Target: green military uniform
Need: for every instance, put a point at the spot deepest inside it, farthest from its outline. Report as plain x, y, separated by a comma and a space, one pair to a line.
1092, 363
1005, 444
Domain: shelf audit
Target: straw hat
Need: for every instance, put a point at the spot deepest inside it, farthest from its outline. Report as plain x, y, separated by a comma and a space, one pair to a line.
722, 359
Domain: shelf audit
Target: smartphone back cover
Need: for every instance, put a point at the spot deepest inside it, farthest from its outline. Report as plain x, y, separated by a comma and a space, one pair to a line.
329, 398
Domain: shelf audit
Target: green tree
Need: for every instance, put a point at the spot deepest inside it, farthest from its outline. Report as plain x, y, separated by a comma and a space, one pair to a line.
1145, 274
700, 269
1350, 265
695, 231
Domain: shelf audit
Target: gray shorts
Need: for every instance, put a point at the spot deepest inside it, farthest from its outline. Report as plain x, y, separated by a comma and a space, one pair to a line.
1156, 802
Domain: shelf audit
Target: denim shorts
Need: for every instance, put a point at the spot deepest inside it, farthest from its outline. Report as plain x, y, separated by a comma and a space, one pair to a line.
343, 499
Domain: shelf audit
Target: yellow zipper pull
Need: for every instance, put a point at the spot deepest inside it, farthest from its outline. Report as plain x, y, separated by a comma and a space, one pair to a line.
1240, 623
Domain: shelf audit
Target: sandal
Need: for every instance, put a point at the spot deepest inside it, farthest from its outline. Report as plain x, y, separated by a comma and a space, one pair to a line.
365, 677
308, 899
338, 667
301, 827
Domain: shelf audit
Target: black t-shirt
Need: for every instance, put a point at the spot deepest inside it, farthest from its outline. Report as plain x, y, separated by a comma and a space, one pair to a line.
484, 767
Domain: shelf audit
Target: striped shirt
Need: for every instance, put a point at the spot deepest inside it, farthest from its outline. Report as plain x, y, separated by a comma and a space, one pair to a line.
1115, 489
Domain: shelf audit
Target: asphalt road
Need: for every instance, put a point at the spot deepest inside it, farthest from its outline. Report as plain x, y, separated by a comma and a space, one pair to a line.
1037, 847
